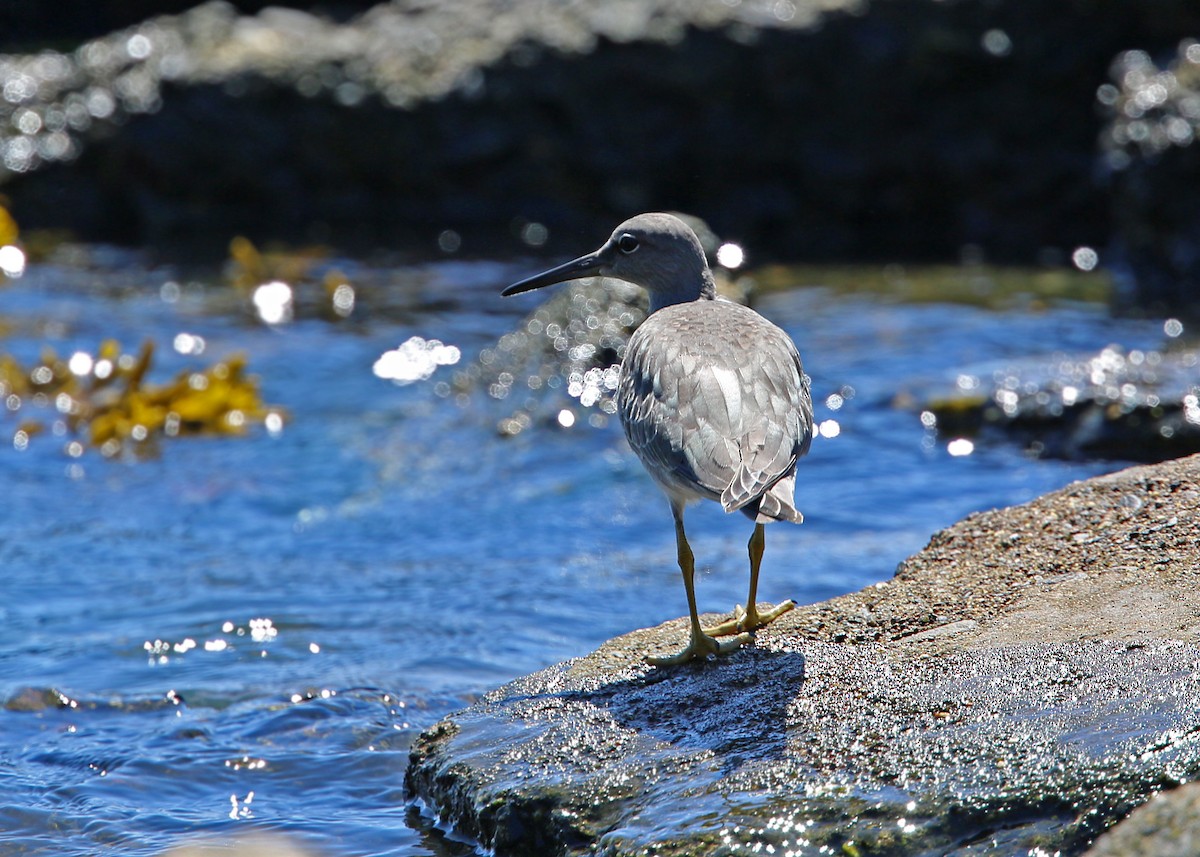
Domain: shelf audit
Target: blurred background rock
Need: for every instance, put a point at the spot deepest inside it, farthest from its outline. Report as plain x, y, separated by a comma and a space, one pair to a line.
818, 130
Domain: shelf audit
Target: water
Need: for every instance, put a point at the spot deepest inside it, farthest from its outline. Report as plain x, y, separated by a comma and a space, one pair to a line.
244, 635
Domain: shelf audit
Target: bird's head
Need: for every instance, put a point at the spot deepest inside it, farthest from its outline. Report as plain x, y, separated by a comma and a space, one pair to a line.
658, 252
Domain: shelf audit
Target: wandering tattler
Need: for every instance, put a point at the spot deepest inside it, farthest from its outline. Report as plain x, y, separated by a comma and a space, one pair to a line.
712, 396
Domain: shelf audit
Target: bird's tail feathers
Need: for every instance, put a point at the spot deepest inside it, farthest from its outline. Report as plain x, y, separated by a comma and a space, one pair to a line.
777, 503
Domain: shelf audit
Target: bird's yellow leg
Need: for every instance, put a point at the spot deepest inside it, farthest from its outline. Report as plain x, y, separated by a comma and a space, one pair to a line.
700, 645
748, 618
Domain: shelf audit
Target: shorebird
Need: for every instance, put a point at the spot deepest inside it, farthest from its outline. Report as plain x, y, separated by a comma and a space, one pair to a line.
713, 399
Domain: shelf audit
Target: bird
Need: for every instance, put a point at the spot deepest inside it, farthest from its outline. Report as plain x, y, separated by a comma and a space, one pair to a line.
712, 397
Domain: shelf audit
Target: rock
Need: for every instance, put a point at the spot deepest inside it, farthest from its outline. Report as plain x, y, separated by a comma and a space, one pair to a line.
1168, 825
1151, 151
814, 129
1123, 404
1024, 682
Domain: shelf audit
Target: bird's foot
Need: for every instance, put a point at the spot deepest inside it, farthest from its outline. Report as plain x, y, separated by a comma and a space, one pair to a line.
746, 620
699, 648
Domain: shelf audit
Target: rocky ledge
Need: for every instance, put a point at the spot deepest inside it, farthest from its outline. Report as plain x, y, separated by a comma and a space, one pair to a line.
1024, 682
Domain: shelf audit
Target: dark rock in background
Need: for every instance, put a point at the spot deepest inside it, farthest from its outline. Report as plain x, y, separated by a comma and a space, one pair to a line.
65, 23
899, 129
1151, 148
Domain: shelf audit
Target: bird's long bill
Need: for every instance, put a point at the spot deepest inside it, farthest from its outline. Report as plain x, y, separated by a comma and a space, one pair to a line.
585, 266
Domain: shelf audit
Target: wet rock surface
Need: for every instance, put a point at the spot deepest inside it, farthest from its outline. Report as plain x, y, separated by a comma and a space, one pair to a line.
1025, 681
1123, 404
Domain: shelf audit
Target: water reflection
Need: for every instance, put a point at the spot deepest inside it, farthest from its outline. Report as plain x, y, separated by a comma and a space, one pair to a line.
960, 446
12, 261
273, 302
415, 360
1153, 108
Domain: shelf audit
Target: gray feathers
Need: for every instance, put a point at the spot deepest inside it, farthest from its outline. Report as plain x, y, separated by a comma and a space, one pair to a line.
712, 395
714, 400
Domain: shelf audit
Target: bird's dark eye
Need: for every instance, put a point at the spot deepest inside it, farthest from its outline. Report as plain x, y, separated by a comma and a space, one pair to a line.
627, 243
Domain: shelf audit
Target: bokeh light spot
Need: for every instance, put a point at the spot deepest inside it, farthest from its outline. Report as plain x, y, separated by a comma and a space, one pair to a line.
12, 260
730, 255
960, 447
273, 302
1085, 258
415, 360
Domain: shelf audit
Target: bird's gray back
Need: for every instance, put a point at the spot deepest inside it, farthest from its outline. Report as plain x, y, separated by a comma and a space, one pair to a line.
714, 401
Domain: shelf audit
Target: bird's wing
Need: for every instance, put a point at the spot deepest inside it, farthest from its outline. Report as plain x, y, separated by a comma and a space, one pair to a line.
779, 429
718, 399
649, 398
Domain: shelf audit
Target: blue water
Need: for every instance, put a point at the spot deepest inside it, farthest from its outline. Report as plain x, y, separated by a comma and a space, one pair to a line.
245, 634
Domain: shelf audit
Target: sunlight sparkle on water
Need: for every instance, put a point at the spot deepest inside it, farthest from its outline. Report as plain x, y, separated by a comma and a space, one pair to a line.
273, 422
1085, 258
273, 302
535, 234
415, 360
997, 43
343, 299
189, 343
12, 261
262, 630
960, 446
80, 363
243, 811
730, 255
138, 47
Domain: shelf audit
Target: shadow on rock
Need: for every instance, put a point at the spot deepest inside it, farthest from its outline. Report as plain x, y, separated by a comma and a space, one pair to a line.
613, 735
716, 705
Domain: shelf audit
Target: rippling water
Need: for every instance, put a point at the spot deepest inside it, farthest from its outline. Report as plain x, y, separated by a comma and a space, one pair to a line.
244, 635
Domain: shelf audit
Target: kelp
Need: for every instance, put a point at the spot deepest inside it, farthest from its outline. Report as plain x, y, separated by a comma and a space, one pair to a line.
107, 403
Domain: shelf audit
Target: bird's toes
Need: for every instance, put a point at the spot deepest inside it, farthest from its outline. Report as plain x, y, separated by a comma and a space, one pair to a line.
752, 620
700, 648
729, 626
